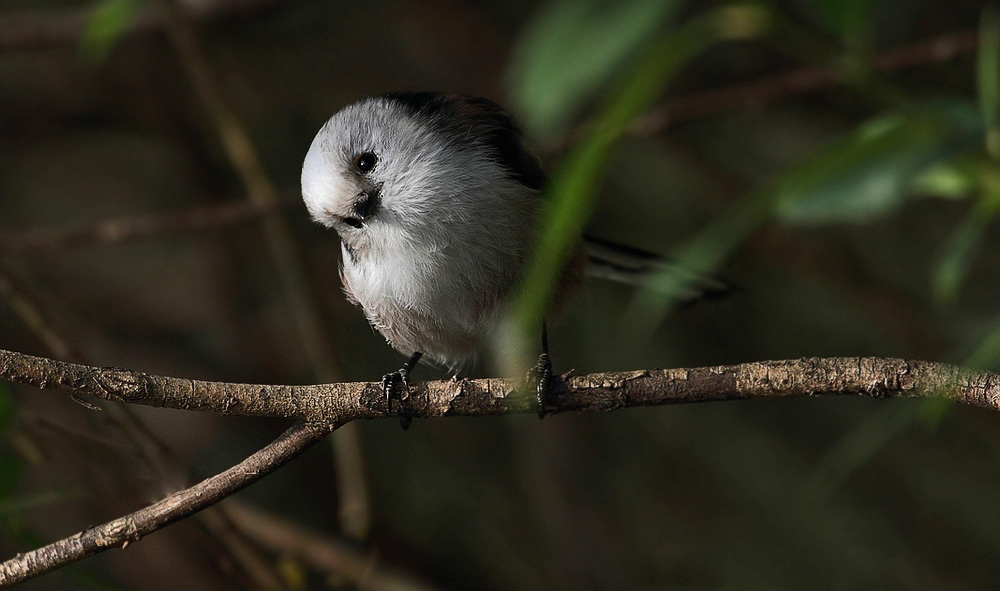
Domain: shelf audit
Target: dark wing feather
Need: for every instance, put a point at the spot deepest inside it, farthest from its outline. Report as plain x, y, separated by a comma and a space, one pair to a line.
625, 264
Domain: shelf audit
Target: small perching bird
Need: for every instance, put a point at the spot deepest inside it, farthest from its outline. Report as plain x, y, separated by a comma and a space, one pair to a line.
436, 199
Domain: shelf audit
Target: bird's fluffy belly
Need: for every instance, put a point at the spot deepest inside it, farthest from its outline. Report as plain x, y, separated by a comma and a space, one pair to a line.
429, 314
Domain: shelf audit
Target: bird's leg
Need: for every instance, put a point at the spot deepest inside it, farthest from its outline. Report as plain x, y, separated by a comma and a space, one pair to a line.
541, 375
391, 381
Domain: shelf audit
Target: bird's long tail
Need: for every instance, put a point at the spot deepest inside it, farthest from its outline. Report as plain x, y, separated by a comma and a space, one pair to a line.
633, 266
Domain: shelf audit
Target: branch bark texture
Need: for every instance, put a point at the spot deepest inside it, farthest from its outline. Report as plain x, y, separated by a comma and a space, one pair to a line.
331, 404
321, 408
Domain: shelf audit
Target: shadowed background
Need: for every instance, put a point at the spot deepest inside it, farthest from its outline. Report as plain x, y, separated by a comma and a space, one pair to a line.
877, 239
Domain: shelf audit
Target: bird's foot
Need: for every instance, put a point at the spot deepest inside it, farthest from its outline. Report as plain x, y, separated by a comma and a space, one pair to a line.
540, 376
391, 383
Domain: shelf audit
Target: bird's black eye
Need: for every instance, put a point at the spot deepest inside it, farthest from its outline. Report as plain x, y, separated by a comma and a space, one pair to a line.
365, 162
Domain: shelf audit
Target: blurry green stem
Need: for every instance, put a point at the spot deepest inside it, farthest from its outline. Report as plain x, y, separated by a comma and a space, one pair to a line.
988, 77
573, 190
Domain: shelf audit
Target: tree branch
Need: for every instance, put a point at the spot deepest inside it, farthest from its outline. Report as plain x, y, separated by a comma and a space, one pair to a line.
148, 446
132, 527
327, 555
321, 408
115, 230
769, 88
338, 403
41, 29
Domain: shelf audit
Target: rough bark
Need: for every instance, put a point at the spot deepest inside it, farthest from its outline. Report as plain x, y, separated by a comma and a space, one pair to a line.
339, 403
321, 408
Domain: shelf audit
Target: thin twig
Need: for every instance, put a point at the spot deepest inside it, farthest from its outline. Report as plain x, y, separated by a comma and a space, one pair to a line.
40, 29
323, 553
763, 90
284, 250
171, 476
341, 402
14, 293
112, 231
258, 186
130, 528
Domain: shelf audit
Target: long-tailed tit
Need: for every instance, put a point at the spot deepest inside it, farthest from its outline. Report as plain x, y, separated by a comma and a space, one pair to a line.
435, 198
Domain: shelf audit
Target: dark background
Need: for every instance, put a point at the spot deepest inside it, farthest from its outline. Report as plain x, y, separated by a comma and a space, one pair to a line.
835, 493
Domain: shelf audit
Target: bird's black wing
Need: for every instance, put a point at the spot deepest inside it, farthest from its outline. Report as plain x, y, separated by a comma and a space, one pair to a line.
625, 264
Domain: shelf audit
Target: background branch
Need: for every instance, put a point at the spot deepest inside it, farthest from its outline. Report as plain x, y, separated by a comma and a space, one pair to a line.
326, 554
155, 452
134, 526
354, 512
809, 79
115, 230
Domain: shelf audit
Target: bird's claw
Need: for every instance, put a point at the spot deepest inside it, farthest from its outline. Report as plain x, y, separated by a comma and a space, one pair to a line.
541, 377
390, 387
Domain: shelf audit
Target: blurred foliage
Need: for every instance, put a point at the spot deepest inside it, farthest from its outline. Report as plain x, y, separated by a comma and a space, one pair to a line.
572, 191
845, 17
856, 217
9, 463
572, 50
869, 173
105, 27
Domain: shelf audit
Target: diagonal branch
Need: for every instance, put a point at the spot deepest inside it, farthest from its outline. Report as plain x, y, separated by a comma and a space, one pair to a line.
149, 447
132, 527
341, 402
323, 553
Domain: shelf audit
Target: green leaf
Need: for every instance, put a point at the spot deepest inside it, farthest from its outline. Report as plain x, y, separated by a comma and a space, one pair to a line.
861, 177
108, 20
571, 49
958, 255
988, 77
802, 194
703, 255
945, 179
871, 172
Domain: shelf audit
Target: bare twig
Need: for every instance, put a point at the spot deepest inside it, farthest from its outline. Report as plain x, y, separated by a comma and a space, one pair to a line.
171, 476
260, 190
13, 293
46, 28
295, 281
130, 528
323, 553
342, 402
757, 92
202, 217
